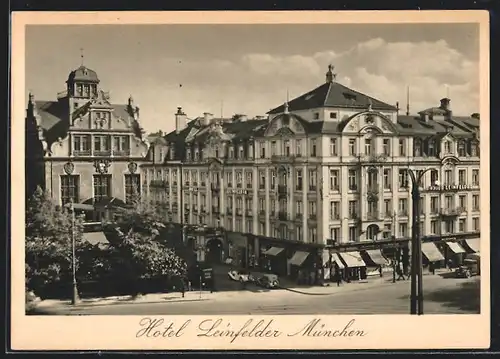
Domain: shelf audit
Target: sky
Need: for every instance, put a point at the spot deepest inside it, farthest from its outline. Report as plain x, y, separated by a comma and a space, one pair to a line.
248, 69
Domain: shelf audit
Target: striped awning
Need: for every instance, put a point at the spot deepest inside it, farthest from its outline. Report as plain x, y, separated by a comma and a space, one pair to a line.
325, 257
474, 244
377, 257
353, 259
298, 258
431, 252
336, 259
274, 251
455, 247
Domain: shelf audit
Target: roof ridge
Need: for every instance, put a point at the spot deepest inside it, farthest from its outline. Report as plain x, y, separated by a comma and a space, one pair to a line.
363, 94
330, 84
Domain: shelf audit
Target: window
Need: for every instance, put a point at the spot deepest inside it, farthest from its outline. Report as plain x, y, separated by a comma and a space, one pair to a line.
475, 177
461, 225
461, 177
334, 210
353, 180
298, 185
262, 150
312, 209
312, 235
70, 188
241, 153
300, 234
248, 205
132, 186
102, 145
298, 147
249, 179
448, 178
387, 178
81, 145
386, 233
313, 148
353, 209
229, 179
434, 227
352, 147
447, 147
475, 202
448, 200
262, 204
231, 153
273, 148
403, 207
449, 227
333, 114
316, 116
102, 186
273, 179
121, 145
403, 179
402, 147
335, 234
474, 149
333, 147
312, 180
386, 147
239, 179
434, 204
249, 226
475, 224
262, 179
368, 146
79, 90
388, 208
403, 229
286, 147
431, 148
334, 180
353, 235
434, 177
250, 151
417, 148
461, 149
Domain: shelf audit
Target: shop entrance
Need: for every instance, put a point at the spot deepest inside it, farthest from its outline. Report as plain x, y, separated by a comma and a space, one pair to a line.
214, 251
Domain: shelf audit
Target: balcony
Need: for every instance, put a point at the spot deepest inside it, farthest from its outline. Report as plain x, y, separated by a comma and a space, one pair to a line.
203, 183
283, 159
373, 158
334, 217
186, 207
158, 183
81, 153
262, 212
106, 153
353, 216
249, 185
215, 187
312, 188
299, 216
248, 213
186, 184
449, 212
283, 216
229, 211
462, 210
203, 209
121, 153
195, 184
282, 190
451, 188
215, 210
239, 212
313, 217
335, 188
403, 213
195, 208
229, 184
262, 186
353, 187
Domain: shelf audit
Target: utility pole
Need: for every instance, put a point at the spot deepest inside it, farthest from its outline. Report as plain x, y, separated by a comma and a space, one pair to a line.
75, 298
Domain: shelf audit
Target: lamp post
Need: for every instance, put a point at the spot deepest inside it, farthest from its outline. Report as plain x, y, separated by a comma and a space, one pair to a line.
75, 298
394, 262
417, 298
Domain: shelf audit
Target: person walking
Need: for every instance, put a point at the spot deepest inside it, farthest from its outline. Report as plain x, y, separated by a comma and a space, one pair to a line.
183, 286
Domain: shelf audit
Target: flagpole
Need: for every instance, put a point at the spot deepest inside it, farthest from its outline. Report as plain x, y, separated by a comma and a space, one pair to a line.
75, 298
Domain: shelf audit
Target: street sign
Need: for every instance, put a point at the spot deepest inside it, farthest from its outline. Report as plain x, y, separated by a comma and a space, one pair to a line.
207, 273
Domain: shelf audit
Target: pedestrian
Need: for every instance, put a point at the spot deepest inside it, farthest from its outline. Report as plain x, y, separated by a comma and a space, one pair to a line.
450, 265
380, 270
183, 287
431, 267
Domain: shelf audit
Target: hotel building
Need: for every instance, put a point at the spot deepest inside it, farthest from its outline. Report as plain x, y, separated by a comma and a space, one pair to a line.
321, 178
81, 148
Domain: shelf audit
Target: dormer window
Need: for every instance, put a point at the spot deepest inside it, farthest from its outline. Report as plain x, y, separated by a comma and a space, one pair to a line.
431, 148
461, 149
241, 153
417, 148
188, 154
333, 115
231, 153
473, 149
316, 116
447, 147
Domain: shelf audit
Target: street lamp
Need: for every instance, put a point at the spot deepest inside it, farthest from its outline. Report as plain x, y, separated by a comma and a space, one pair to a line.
75, 298
394, 264
417, 298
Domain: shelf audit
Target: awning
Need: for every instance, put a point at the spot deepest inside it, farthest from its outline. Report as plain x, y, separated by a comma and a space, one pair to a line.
377, 257
273, 251
95, 238
336, 259
474, 244
325, 257
455, 247
353, 259
326, 274
432, 252
298, 258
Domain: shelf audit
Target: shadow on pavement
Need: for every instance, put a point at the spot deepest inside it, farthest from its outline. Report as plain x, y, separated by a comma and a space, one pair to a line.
465, 296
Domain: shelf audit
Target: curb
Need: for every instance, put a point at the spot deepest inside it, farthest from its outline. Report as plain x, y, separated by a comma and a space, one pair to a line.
336, 293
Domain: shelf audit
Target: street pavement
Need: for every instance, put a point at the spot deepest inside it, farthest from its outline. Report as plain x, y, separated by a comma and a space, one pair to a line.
441, 296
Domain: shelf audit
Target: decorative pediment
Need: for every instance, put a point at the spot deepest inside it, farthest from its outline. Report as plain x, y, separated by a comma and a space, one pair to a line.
375, 121
449, 161
101, 101
284, 126
448, 137
285, 132
214, 164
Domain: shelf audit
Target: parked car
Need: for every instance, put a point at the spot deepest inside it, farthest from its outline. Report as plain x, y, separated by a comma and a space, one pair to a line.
269, 281
469, 268
240, 276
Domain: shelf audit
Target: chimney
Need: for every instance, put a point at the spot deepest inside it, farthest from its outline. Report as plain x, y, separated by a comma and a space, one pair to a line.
180, 120
207, 117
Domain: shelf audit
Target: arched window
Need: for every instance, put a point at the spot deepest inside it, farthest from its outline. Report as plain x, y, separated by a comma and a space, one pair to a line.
372, 232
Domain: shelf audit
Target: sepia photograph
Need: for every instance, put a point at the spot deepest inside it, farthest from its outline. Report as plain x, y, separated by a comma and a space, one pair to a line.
253, 169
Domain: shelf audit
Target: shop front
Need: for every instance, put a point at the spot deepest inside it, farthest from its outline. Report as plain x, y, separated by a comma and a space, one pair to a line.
237, 249
376, 261
454, 254
354, 266
432, 256
472, 245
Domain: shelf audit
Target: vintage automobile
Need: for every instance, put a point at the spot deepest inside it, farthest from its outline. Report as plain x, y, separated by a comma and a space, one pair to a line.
240, 276
469, 268
269, 281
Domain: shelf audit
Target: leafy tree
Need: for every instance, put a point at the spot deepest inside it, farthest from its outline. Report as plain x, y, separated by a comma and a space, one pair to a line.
49, 231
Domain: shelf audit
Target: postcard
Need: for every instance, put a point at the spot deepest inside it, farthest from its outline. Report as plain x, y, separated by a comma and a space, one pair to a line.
250, 180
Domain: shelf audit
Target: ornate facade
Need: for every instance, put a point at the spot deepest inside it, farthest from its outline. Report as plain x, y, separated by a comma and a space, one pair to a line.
327, 169
81, 147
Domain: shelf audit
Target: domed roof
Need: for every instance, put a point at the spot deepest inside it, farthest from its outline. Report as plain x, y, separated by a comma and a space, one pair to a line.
83, 74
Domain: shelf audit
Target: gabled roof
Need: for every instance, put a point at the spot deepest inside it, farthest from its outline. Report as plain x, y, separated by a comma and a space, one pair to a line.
416, 125
333, 94
54, 117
